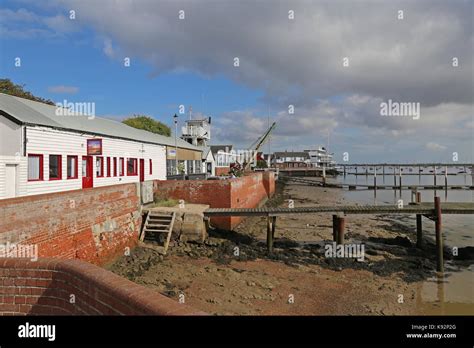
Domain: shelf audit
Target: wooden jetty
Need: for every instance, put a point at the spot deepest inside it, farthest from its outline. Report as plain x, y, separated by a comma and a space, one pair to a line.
433, 211
379, 187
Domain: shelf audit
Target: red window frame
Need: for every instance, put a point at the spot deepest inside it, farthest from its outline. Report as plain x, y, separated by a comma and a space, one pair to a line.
101, 166
60, 168
115, 166
76, 175
135, 167
41, 166
108, 167
122, 166
151, 167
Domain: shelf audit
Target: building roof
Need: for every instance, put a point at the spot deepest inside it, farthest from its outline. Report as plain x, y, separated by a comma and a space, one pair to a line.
291, 154
32, 113
205, 152
224, 148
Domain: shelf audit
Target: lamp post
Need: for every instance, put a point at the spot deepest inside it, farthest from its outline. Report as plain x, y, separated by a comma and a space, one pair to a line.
175, 117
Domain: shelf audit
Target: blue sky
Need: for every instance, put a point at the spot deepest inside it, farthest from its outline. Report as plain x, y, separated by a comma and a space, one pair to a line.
283, 62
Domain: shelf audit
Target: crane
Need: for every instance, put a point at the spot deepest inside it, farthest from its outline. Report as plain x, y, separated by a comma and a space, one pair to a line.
254, 147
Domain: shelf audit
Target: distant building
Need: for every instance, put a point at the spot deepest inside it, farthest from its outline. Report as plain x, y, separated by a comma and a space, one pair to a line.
291, 159
321, 157
198, 133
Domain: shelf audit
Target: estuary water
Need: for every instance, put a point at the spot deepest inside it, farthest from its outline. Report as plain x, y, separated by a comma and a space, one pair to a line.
454, 292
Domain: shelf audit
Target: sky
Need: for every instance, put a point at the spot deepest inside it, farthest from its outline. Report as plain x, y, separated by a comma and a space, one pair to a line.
320, 69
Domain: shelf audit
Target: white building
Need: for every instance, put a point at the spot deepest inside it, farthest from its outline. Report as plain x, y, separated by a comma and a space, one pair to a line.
43, 152
321, 157
197, 132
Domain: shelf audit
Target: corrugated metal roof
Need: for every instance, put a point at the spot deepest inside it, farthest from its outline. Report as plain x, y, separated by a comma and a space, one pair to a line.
40, 114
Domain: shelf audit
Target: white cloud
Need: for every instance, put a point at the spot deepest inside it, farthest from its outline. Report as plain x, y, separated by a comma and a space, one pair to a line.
435, 146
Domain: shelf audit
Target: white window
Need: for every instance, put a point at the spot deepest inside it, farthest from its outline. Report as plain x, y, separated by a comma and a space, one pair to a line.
35, 167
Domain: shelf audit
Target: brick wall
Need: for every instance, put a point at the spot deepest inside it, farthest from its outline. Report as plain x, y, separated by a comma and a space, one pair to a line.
48, 286
245, 192
93, 225
222, 171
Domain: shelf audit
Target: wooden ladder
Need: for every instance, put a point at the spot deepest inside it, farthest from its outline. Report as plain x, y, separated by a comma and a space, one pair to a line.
158, 223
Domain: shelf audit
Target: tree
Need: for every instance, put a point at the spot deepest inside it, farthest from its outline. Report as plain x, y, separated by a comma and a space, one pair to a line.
8, 87
148, 124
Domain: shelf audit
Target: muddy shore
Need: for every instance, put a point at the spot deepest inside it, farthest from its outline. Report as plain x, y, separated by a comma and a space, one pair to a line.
233, 274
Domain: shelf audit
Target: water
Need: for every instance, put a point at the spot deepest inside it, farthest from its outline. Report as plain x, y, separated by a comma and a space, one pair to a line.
455, 293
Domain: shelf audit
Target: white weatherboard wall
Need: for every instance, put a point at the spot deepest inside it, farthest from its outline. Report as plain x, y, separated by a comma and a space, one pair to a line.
46, 141
11, 140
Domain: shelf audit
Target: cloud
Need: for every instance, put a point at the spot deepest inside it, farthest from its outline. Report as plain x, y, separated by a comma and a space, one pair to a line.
435, 146
300, 62
63, 89
108, 49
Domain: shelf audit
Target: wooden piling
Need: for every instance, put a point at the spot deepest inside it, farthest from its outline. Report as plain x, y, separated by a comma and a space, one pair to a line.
324, 175
419, 232
269, 234
394, 178
274, 220
439, 239
446, 179
375, 179
419, 226
434, 176
340, 230
334, 227
400, 175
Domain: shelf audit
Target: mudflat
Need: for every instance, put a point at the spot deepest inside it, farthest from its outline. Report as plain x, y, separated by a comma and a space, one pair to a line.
233, 274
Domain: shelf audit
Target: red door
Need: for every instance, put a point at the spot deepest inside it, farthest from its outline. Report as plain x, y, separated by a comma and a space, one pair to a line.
142, 170
87, 178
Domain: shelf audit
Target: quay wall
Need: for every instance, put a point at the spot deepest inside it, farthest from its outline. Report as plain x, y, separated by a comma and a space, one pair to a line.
74, 287
248, 191
94, 225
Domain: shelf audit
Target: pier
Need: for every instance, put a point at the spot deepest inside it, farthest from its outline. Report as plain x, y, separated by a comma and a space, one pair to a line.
432, 211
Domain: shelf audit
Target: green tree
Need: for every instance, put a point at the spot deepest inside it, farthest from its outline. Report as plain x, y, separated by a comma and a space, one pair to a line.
148, 124
8, 87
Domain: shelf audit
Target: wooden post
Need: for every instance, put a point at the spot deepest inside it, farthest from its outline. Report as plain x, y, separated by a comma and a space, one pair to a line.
324, 174
375, 180
439, 239
400, 174
394, 178
274, 220
269, 234
446, 179
383, 170
366, 170
434, 177
356, 170
334, 227
419, 226
344, 166
340, 230
418, 197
